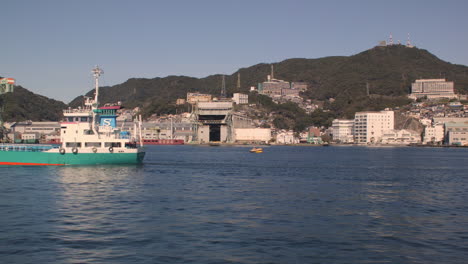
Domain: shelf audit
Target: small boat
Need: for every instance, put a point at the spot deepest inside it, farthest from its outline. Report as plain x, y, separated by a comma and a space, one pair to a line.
256, 150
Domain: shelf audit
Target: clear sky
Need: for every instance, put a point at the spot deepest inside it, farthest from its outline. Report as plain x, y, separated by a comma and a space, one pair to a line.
50, 46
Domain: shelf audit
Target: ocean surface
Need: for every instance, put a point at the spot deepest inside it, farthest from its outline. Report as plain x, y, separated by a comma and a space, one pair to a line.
194, 204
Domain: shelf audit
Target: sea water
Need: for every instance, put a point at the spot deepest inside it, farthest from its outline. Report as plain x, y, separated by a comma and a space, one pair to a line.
193, 204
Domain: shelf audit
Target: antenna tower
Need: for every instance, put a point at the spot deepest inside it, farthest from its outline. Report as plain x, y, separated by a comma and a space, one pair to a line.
223, 88
390, 41
408, 42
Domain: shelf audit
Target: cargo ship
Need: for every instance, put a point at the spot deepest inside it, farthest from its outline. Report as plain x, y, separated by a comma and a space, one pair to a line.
88, 136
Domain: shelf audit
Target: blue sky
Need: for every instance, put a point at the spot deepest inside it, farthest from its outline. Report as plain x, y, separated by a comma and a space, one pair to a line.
50, 47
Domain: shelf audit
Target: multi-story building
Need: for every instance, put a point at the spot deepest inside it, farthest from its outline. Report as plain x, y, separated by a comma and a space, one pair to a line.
301, 86
459, 138
273, 87
432, 89
193, 98
433, 134
290, 92
400, 137
369, 127
456, 133
342, 130
240, 98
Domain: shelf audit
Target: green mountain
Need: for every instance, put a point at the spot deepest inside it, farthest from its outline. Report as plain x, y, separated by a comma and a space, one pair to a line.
24, 105
387, 72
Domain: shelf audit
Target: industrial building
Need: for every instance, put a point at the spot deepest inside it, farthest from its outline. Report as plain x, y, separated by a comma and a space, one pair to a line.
252, 135
456, 133
212, 122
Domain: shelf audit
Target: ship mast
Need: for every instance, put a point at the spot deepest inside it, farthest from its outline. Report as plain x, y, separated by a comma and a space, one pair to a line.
96, 73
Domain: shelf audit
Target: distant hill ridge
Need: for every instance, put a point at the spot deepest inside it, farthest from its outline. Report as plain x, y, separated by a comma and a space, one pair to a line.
387, 71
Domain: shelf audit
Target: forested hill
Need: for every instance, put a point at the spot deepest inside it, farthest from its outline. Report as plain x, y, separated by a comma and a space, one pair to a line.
386, 71
24, 105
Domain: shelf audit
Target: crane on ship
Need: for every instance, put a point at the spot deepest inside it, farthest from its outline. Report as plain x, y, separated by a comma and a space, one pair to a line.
6, 86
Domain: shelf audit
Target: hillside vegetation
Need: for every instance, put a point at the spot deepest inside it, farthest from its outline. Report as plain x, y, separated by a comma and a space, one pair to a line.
24, 105
387, 72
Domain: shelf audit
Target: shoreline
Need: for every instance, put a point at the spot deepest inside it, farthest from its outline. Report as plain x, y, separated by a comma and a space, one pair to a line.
324, 145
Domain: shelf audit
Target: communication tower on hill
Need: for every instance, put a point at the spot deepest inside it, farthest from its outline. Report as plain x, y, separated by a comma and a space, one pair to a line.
408, 42
390, 39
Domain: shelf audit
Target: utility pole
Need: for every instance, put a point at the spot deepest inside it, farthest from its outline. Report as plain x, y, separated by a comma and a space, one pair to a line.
272, 72
367, 89
223, 88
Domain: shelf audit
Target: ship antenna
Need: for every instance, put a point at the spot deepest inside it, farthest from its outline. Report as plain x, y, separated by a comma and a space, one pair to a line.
96, 73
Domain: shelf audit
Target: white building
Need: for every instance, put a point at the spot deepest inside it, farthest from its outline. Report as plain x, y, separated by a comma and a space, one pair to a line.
459, 138
433, 134
432, 89
342, 130
286, 137
252, 134
456, 133
369, 127
240, 98
400, 137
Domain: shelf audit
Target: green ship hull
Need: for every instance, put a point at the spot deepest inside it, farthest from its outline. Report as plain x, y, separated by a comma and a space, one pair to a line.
47, 158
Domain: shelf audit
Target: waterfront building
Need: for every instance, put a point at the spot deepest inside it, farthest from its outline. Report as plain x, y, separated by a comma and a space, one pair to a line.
252, 135
212, 121
370, 126
342, 130
400, 137
286, 137
432, 89
459, 138
456, 133
433, 134
180, 101
240, 98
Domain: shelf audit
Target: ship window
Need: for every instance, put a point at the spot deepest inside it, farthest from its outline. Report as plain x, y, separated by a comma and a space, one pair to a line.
93, 144
70, 119
84, 119
73, 144
88, 132
112, 144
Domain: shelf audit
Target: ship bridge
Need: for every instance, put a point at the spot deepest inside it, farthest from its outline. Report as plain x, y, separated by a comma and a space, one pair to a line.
212, 121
